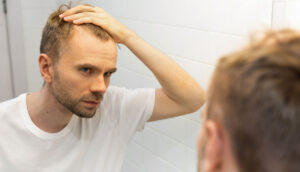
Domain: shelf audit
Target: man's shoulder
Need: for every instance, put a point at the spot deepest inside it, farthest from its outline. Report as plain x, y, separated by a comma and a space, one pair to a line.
122, 95
124, 90
114, 91
11, 104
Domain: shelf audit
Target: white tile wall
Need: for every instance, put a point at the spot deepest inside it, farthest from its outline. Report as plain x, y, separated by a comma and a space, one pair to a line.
240, 16
292, 13
34, 16
195, 33
6, 91
285, 14
147, 160
279, 14
130, 167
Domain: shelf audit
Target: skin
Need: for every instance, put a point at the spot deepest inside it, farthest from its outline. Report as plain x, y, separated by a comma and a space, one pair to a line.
67, 87
88, 65
78, 80
215, 152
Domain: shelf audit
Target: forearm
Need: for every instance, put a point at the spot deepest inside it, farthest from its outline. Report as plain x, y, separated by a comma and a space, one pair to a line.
176, 83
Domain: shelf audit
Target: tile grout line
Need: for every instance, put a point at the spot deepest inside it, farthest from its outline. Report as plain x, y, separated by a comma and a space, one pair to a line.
180, 26
171, 138
160, 158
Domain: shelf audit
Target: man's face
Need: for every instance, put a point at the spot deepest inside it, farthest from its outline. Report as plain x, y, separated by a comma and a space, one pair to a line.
82, 74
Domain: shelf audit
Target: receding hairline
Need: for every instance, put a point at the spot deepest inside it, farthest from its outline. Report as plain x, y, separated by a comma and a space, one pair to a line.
57, 32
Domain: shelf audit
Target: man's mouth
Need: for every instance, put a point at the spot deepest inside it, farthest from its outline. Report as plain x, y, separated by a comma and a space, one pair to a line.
92, 103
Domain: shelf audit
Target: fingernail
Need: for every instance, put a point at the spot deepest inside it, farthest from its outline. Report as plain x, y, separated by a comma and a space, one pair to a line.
61, 16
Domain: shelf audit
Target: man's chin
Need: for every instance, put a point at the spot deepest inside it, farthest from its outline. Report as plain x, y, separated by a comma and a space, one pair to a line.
86, 112
85, 115
87, 109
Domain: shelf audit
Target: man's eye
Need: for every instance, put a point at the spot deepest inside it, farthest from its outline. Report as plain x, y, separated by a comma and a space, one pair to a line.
86, 70
107, 74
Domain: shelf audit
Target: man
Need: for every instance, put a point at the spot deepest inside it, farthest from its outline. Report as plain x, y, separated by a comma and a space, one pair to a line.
60, 127
252, 117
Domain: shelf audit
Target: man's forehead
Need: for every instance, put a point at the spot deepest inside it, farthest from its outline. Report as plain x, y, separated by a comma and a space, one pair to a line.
78, 55
81, 39
80, 33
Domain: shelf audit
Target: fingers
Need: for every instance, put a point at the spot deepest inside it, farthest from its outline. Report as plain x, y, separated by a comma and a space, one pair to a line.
87, 17
78, 9
86, 20
82, 15
91, 20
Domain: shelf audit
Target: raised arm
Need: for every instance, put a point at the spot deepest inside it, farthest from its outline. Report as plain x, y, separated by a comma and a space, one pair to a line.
180, 93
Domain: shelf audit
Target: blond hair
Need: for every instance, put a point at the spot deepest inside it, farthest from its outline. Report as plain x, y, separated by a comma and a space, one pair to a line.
57, 32
257, 91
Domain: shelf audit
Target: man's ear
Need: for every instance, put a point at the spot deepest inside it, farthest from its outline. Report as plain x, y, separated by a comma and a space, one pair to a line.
214, 146
46, 67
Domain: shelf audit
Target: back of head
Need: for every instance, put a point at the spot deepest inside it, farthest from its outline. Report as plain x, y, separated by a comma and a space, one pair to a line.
57, 32
257, 91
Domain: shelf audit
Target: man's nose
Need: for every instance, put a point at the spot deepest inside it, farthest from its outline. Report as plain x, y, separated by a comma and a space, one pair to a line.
99, 85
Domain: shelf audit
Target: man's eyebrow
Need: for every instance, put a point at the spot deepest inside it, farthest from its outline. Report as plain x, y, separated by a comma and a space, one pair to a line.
88, 65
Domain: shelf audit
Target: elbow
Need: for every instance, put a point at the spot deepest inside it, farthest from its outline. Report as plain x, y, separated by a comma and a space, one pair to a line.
197, 101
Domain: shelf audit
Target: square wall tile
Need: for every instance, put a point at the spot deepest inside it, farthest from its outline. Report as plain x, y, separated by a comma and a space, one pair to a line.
240, 16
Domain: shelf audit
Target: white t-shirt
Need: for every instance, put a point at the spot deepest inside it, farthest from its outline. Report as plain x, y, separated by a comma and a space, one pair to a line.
85, 145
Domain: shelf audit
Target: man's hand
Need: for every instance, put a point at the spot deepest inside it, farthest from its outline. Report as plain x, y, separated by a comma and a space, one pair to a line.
88, 14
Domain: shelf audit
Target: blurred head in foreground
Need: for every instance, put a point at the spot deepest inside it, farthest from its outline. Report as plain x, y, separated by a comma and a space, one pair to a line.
252, 117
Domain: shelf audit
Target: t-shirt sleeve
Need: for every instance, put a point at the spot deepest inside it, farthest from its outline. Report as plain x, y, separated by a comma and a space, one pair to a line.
132, 107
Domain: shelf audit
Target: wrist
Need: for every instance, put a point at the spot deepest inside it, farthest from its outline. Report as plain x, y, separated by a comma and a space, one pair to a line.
129, 36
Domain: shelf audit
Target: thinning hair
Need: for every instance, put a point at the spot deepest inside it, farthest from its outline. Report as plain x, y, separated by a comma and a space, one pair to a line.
57, 32
257, 93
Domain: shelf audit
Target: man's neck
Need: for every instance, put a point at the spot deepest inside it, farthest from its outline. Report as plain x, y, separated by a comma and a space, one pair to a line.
45, 112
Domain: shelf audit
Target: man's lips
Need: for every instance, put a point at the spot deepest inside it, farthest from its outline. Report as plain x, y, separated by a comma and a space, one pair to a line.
93, 103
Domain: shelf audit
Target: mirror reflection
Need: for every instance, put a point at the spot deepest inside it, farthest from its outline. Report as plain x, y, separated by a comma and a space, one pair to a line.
130, 86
